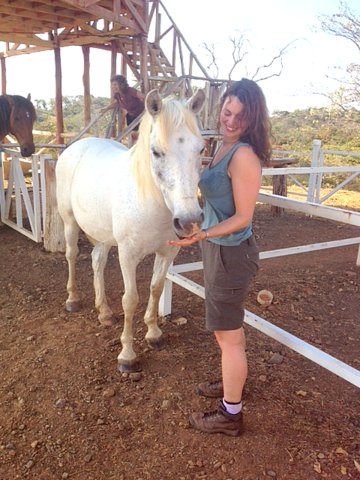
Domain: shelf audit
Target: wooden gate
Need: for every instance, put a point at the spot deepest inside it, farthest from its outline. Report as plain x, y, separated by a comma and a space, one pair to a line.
23, 199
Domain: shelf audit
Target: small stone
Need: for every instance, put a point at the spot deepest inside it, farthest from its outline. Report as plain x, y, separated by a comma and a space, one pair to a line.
262, 378
29, 464
180, 321
34, 444
276, 359
166, 404
65, 475
271, 473
88, 458
108, 392
135, 376
320, 455
60, 403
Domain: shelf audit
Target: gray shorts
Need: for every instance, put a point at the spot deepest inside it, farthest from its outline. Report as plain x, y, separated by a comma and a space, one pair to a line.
228, 272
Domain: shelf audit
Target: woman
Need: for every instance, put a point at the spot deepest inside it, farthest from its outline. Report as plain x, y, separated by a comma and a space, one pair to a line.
127, 98
229, 188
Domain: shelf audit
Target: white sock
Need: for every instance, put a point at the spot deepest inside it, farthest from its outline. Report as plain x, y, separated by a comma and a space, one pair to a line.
232, 408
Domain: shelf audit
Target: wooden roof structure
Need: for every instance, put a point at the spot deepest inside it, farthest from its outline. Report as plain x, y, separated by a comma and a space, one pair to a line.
45, 24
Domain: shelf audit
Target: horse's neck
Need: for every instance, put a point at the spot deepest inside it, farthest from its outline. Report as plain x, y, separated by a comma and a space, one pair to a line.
4, 117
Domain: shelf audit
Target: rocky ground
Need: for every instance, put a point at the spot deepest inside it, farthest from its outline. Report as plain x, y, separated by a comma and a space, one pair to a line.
67, 413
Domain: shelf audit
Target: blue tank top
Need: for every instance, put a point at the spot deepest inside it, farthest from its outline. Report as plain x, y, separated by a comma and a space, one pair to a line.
218, 201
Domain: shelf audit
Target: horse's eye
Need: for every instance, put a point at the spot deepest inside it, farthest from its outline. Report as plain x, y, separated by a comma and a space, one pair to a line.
156, 153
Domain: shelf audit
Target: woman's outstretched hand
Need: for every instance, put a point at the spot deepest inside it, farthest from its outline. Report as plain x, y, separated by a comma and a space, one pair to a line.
185, 242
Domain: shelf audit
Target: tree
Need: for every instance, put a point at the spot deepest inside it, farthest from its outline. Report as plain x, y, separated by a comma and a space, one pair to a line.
345, 24
272, 68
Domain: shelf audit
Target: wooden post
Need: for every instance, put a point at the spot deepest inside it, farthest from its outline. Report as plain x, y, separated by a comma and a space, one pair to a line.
114, 52
3, 76
54, 240
143, 63
86, 83
58, 97
279, 188
315, 162
280, 181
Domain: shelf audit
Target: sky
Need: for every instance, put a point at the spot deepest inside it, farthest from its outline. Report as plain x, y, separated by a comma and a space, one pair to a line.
312, 63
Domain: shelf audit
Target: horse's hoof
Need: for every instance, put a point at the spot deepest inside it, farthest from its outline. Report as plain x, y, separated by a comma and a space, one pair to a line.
72, 307
109, 321
156, 343
128, 367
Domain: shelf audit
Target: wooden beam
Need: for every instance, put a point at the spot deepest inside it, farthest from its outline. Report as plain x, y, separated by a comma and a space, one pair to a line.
86, 82
3, 76
26, 39
140, 21
58, 97
105, 13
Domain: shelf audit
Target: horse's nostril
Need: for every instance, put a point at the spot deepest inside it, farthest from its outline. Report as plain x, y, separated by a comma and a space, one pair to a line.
177, 224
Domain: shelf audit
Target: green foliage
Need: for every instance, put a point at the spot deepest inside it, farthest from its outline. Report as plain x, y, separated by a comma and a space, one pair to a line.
73, 112
337, 129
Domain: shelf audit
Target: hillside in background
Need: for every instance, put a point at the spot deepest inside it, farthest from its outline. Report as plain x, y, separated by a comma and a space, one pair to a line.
291, 130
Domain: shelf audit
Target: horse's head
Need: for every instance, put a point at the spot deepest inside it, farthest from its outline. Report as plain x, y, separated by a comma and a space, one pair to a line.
21, 121
175, 148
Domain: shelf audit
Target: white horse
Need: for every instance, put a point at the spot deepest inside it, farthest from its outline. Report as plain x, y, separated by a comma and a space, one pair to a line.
136, 200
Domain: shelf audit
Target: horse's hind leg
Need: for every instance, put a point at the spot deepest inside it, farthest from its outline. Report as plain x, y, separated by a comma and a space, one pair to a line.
99, 258
71, 232
162, 262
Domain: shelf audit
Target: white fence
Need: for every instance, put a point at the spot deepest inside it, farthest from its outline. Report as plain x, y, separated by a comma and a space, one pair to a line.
317, 170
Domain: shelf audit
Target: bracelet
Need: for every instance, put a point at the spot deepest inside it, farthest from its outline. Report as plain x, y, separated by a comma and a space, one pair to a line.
206, 234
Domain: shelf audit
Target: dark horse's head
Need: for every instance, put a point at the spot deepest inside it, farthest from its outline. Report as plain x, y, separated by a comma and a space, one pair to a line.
17, 116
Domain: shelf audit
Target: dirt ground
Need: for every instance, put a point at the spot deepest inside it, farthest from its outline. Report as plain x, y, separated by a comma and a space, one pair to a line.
67, 413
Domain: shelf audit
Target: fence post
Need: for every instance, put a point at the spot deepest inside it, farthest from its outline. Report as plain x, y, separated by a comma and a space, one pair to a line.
315, 161
54, 240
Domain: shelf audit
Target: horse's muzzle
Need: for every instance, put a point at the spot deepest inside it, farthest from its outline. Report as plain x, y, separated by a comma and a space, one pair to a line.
187, 226
27, 150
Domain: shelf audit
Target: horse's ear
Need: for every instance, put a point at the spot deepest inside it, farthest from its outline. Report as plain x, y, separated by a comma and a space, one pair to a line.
153, 102
196, 102
29, 97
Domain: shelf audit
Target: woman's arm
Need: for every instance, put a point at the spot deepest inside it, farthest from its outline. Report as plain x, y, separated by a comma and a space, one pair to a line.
111, 106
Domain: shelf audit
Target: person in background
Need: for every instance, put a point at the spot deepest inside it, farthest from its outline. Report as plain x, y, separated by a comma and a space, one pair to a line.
229, 187
127, 98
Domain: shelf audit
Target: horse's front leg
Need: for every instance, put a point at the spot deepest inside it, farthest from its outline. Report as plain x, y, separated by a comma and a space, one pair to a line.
163, 259
71, 233
99, 258
127, 361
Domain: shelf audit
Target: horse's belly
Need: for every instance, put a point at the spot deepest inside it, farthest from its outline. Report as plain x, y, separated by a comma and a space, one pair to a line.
91, 199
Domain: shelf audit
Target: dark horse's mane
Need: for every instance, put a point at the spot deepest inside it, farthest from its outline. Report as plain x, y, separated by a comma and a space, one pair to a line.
5, 110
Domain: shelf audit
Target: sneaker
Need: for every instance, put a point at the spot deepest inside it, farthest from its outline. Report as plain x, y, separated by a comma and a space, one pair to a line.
211, 389
218, 421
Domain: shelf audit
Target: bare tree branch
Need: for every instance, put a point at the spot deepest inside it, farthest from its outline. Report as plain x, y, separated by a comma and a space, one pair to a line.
238, 54
211, 51
346, 25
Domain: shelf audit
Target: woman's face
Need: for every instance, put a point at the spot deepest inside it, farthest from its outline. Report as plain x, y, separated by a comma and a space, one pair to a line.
232, 125
115, 87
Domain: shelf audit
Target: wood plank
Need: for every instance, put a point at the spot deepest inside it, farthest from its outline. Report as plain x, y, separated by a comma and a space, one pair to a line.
136, 15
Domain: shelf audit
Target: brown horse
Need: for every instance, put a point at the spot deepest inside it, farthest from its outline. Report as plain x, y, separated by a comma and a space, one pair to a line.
17, 116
